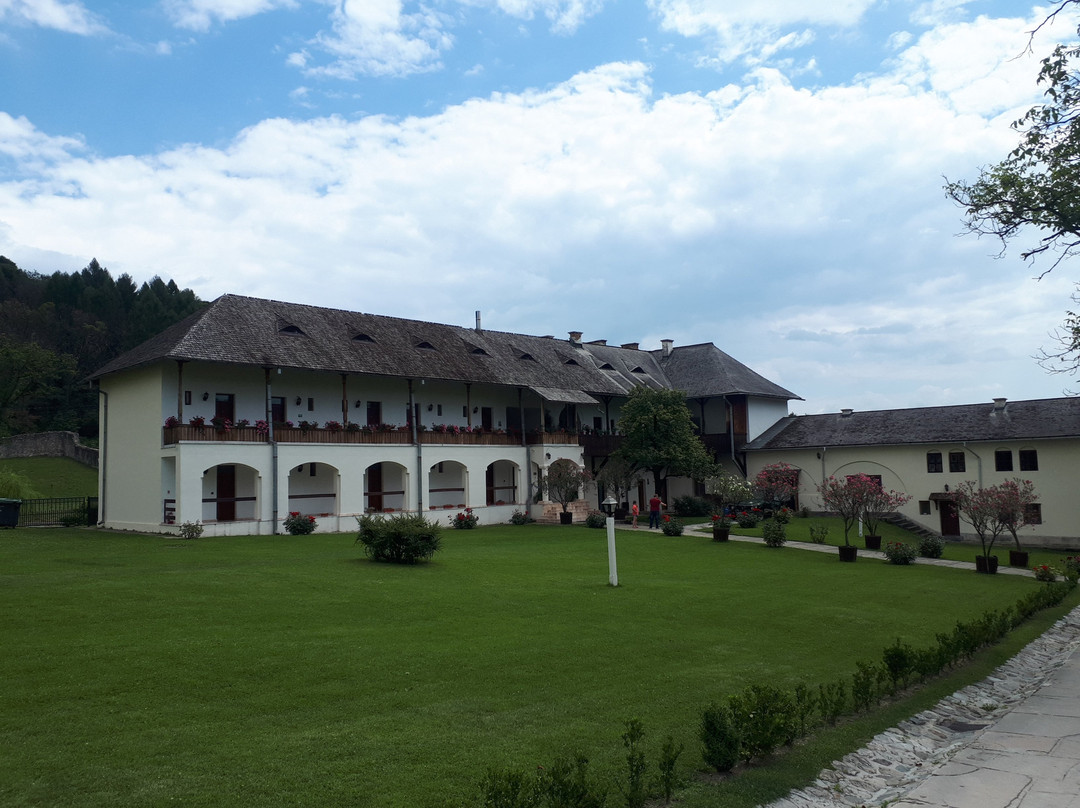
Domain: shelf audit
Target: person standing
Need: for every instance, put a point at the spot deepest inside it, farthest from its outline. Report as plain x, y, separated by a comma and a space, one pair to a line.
655, 504
634, 513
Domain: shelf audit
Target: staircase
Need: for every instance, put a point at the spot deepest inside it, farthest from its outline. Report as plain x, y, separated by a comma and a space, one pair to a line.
910, 526
579, 508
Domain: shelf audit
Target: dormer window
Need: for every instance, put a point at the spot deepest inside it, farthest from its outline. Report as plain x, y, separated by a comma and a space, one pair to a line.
291, 329
606, 366
362, 338
638, 369
479, 352
425, 345
571, 361
527, 357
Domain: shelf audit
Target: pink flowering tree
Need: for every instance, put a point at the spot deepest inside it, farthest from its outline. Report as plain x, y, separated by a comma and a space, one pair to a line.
1017, 497
985, 510
777, 483
847, 497
878, 503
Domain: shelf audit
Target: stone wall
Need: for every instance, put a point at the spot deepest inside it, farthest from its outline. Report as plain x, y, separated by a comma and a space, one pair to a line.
49, 444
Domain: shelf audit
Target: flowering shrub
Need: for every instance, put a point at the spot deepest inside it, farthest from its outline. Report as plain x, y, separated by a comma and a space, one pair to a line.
671, 526
464, 520
899, 552
305, 425
520, 518
297, 525
748, 519
777, 483
221, 423
848, 497
243, 422
403, 539
1045, 573
198, 420
262, 427
783, 516
333, 426
172, 421
720, 520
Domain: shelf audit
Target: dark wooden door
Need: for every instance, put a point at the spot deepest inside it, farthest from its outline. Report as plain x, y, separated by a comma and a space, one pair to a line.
374, 487
950, 518
226, 493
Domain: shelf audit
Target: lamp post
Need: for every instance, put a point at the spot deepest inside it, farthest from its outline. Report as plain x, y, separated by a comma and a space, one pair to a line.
613, 571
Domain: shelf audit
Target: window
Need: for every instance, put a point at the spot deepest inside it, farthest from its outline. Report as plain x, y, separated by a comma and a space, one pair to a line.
1029, 460
187, 397
311, 405
1033, 514
924, 507
957, 462
1003, 460
933, 463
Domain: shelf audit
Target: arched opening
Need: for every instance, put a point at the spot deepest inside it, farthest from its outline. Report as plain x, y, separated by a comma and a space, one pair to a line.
385, 486
448, 485
313, 489
501, 483
229, 493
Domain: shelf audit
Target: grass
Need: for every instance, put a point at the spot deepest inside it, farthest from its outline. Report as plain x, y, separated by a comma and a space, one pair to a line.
799, 530
55, 476
288, 670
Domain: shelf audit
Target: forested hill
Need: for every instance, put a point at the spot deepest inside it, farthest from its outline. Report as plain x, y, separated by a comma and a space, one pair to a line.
57, 329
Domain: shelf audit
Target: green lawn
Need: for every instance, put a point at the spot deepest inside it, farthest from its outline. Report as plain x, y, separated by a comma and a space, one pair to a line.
267, 671
55, 476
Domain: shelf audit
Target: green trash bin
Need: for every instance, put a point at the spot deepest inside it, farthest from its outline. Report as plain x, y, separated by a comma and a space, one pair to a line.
9, 512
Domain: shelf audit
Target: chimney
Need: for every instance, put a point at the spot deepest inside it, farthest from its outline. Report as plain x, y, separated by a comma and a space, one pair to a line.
999, 404
633, 346
575, 337
601, 342
846, 413
478, 319
667, 343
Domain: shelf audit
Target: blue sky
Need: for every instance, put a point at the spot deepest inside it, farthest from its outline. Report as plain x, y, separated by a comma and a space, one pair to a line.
764, 176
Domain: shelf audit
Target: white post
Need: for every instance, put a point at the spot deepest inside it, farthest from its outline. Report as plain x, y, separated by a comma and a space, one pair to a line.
613, 567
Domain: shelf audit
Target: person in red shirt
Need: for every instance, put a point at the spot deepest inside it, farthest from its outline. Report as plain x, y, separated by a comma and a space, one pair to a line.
655, 504
634, 513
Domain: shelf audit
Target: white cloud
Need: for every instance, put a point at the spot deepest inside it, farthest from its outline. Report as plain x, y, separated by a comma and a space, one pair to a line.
805, 231
377, 38
70, 17
200, 15
566, 16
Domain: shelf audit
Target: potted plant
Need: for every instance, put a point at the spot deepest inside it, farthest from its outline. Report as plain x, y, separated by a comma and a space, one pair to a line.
876, 504
563, 483
1017, 497
721, 527
727, 489
983, 509
847, 497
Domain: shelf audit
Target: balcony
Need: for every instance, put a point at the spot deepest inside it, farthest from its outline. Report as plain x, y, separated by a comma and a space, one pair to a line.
248, 434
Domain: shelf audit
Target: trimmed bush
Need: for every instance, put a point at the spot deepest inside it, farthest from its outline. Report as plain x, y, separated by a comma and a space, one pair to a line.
671, 526
931, 547
774, 533
764, 717
595, 519
719, 738
401, 539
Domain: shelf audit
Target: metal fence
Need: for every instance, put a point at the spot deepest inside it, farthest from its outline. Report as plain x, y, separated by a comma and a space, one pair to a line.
55, 511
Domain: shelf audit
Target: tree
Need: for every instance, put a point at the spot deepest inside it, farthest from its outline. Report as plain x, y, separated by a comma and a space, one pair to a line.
1036, 186
618, 477
563, 482
658, 437
27, 371
1017, 497
879, 502
984, 509
847, 497
728, 489
777, 483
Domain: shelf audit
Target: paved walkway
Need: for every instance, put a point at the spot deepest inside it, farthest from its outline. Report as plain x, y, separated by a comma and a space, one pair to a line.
1010, 741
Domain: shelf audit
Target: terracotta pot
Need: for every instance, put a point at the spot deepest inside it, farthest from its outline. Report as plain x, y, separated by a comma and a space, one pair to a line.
848, 552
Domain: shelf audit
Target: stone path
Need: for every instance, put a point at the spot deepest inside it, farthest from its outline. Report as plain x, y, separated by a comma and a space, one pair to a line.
1009, 741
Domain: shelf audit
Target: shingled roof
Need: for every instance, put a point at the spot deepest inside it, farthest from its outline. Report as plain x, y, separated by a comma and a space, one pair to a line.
995, 421
249, 331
